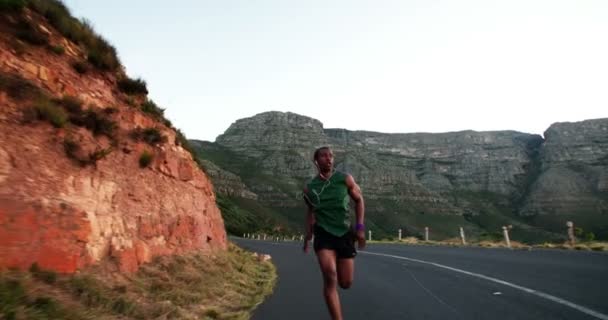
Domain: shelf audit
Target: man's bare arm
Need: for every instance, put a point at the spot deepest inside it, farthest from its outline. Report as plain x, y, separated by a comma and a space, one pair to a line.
355, 193
310, 221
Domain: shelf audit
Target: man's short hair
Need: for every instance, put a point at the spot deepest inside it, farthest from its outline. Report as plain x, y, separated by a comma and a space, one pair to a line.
319, 150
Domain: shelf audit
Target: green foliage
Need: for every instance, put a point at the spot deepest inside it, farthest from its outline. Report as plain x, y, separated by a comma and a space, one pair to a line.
98, 155
246, 215
12, 296
58, 50
95, 294
18, 301
46, 305
589, 236
81, 67
72, 150
181, 140
17, 87
103, 56
133, 86
123, 306
12, 5
153, 109
48, 111
100, 53
72, 105
46, 276
151, 136
98, 123
145, 159
87, 290
110, 110
236, 220
229, 284
212, 313
28, 33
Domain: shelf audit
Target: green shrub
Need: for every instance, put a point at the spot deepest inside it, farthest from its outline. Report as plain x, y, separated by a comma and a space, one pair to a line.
131, 86
72, 148
28, 33
73, 151
46, 305
17, 87
88, 291
48, 111
98, 155
99, 124
12, 295
145, 159
81, 67
589, 236
103, 56
167, 123
47, 276
59, 50
212, 313
12, 5
72, 104
152, 108
122, 306
99, 52
151, 136
181, 140
110, 110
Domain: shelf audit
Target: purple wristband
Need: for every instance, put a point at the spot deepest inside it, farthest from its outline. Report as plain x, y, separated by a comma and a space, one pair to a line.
359, 227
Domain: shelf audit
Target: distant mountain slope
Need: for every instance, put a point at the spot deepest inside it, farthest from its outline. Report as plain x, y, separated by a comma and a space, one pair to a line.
478, 180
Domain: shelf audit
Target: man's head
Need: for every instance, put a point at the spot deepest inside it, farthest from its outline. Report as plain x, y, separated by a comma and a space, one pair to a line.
324, 158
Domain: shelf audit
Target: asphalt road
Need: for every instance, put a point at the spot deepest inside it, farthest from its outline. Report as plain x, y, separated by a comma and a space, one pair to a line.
425, 282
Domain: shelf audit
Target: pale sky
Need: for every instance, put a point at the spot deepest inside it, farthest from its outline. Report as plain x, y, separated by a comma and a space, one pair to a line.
388, 66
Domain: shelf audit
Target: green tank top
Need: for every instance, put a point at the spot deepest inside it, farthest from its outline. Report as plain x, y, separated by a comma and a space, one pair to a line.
330, 199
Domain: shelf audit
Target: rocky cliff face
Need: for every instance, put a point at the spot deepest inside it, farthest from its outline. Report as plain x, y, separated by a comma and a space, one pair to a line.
73, 188
572, 182
481, 180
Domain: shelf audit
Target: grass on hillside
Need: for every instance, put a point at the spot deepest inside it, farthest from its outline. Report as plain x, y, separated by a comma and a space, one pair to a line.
248, 216
133, 86
17, 87
227, 285
100, 52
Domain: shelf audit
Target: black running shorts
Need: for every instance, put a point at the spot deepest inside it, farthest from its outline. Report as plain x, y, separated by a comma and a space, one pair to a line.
344, 246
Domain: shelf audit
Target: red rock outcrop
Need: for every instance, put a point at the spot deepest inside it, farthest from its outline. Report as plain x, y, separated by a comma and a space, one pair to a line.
65, 216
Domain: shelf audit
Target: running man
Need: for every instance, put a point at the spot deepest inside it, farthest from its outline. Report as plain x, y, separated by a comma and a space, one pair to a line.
328, 218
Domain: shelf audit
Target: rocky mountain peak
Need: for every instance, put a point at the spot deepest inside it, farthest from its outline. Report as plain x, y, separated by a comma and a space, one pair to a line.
411, 179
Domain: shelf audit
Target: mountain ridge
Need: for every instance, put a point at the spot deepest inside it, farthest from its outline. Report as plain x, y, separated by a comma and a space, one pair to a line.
486, 179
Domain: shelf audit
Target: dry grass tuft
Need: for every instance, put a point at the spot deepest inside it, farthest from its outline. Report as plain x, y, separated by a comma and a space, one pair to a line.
227, 285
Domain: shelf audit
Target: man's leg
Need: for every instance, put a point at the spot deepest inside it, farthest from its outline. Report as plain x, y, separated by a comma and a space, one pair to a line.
327, 262
346, 268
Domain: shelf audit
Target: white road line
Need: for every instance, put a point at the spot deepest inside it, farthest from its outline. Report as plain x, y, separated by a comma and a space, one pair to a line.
508, 284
